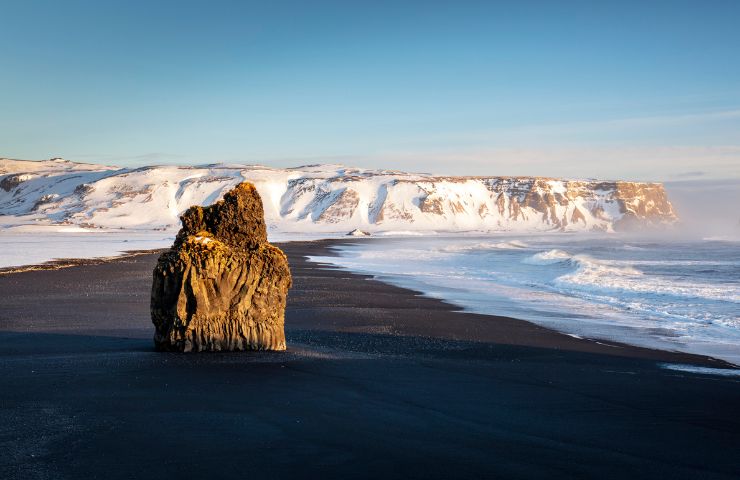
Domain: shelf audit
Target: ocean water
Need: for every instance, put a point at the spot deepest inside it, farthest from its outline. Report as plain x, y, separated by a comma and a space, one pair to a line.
682, 296
32, 248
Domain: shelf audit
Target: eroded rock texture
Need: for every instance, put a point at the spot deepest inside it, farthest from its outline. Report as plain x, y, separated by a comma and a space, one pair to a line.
221, 286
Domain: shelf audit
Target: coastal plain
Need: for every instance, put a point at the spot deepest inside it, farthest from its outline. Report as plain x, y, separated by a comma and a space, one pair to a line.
377, 382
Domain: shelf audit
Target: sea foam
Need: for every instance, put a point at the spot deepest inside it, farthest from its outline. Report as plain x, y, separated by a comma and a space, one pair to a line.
673, 296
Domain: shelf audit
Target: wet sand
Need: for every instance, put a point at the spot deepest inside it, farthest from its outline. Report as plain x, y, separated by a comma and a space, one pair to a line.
378, 382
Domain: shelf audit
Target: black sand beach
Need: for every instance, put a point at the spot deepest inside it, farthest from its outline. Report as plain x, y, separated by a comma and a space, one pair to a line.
378, 382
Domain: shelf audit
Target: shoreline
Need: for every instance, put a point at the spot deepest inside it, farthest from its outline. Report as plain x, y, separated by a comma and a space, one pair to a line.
507, 330
377, 382
74, 262
485, 328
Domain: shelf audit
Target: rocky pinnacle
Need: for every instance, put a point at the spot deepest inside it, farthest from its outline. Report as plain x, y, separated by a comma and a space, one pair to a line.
221, 286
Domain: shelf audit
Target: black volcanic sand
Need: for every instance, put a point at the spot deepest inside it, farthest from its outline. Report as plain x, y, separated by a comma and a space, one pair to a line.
378, 382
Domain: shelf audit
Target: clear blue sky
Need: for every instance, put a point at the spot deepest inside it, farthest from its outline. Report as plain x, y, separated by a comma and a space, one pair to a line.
643, 89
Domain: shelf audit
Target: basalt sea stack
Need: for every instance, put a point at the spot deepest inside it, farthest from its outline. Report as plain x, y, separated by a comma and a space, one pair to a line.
221, 286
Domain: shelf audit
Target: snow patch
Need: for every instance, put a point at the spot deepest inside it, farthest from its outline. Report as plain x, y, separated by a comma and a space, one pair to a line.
316, 198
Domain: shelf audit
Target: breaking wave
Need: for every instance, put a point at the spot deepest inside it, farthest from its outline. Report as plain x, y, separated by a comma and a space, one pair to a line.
549, 257
723, 372
620, 277
661, 295
510, 245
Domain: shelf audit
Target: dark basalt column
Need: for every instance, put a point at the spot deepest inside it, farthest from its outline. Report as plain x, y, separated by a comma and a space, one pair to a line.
221, 286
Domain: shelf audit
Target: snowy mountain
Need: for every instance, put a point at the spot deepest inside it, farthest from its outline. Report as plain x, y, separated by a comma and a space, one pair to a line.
323, 198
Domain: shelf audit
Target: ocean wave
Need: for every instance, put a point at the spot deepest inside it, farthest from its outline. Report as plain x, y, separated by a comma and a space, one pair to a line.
725, 372
682, 263
605, 279
583, 262
510, 245
722, 238
549, 257
593, 276
663, 297
590, 275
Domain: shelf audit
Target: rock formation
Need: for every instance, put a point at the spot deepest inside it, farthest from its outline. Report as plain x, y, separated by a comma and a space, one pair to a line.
330, 198
221, 286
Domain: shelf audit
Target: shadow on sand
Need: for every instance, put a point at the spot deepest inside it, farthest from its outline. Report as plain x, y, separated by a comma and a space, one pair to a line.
357, 405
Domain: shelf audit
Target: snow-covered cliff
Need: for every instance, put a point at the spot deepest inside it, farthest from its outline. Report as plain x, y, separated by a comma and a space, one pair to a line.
323, 198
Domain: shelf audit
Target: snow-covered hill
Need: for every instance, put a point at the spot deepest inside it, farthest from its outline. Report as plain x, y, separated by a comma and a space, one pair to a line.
323, 198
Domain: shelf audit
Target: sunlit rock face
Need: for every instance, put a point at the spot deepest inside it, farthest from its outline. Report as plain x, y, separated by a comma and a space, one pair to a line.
221, 286
328, 198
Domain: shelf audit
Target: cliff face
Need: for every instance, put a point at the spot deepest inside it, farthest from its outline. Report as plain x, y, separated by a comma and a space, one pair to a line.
328, 198
479, 203
221, 286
